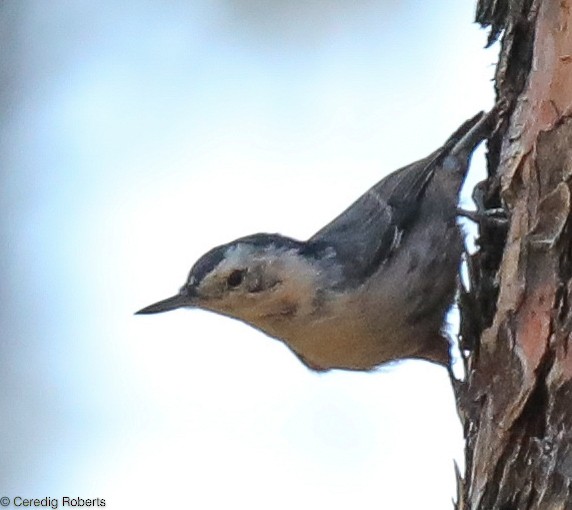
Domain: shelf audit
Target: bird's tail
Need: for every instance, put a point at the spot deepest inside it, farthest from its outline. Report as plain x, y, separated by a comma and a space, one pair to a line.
464, 140
452, 157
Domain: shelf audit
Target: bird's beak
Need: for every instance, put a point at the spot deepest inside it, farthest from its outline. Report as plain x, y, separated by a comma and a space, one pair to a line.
172, 303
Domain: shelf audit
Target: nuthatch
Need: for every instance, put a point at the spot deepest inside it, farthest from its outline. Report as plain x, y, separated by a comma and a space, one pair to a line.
372, 286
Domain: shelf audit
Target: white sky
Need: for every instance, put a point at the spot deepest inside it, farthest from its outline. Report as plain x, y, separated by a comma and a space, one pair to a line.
136, 136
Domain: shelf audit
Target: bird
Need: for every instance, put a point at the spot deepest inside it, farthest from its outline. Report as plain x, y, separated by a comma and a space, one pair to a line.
371, 287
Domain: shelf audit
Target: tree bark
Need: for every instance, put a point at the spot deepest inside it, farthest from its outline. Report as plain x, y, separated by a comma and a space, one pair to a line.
516, 399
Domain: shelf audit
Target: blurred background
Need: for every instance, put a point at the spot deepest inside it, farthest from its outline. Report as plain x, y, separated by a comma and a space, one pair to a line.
135, 136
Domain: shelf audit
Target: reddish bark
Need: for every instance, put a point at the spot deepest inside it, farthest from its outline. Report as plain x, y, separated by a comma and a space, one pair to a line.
516, 403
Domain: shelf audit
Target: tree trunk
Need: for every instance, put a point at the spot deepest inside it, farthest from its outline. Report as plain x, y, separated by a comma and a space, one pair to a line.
516, 399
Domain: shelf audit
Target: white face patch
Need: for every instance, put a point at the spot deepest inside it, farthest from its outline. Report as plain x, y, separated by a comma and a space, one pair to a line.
239, 256
278, 283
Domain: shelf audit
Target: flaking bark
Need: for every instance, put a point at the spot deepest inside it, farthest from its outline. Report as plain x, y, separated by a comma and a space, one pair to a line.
516, 400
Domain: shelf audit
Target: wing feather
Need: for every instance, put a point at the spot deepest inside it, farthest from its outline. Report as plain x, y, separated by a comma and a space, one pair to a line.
366, 234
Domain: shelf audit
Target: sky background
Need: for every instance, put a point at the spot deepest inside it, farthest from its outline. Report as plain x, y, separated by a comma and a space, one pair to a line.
135, 136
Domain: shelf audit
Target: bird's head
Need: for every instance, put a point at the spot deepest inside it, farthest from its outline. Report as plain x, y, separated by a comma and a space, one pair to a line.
259, 279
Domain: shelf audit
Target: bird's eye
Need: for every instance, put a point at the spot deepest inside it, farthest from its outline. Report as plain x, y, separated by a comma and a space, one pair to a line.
235, 278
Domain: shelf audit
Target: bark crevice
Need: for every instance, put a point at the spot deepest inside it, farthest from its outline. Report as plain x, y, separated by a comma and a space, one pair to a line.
516, 400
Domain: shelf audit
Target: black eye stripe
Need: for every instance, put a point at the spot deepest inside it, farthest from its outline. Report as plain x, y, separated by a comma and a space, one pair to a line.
235, 278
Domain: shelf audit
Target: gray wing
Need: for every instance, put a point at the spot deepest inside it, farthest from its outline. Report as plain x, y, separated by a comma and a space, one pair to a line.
368, 232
